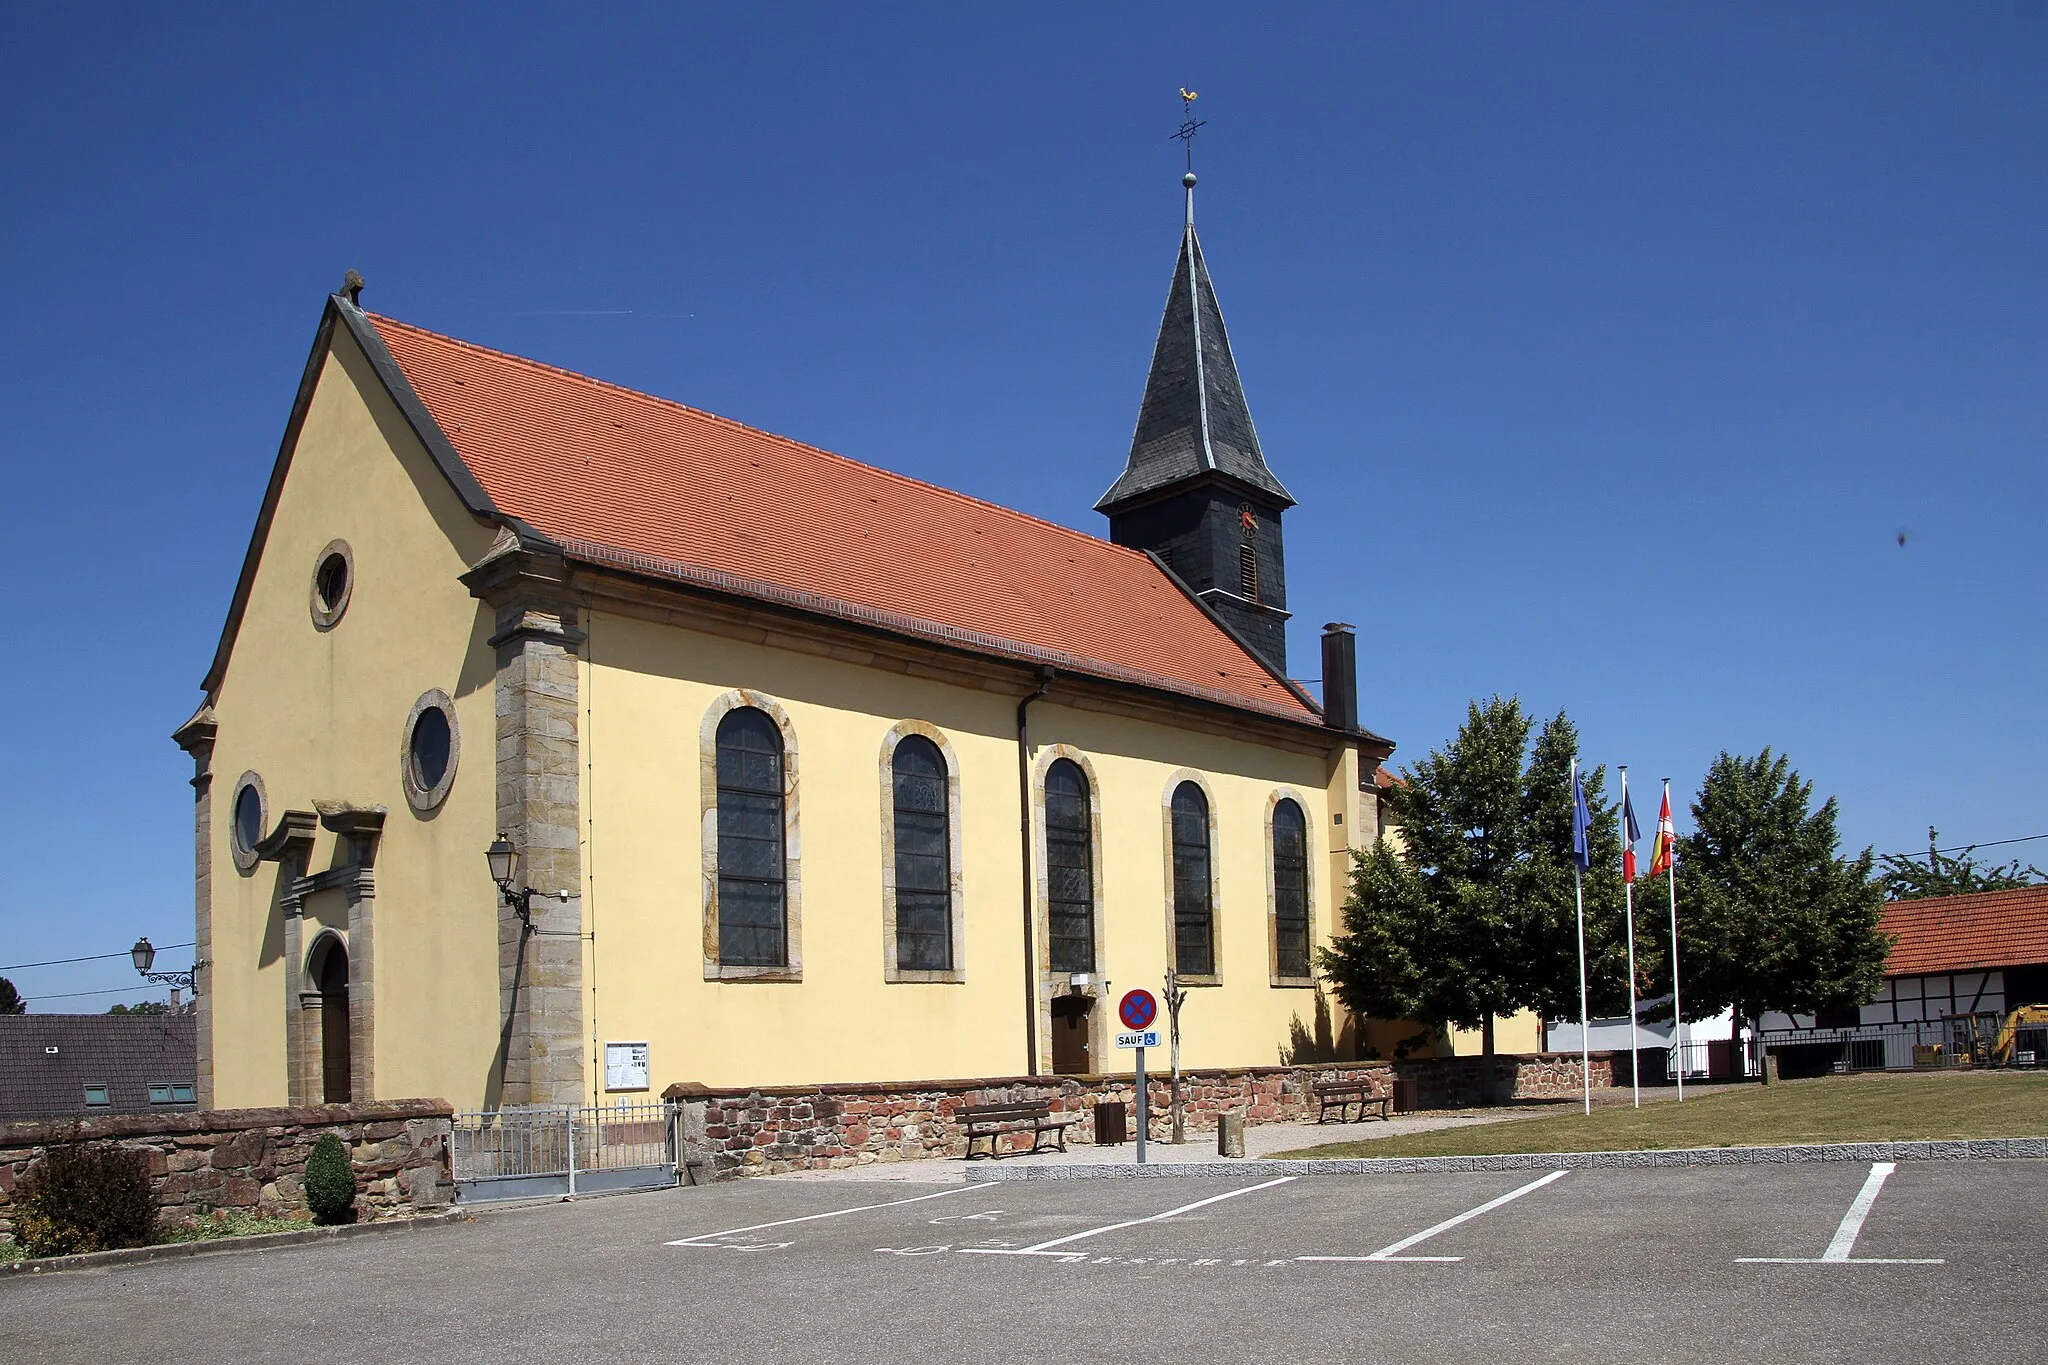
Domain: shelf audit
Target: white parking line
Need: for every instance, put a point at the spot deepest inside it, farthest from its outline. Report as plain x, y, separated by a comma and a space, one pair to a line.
1046, 1248
1844, 1240
1393, 1252
706, 1239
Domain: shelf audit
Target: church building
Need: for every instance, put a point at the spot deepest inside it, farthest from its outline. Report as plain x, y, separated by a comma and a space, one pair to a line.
564, 743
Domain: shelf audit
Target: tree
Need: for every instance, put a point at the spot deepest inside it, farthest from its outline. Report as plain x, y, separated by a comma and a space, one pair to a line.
1903, 877
1471, 913
1771, 917
146, 1007
10, 999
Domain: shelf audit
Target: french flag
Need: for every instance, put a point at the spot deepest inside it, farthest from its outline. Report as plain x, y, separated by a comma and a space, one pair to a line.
1631, 837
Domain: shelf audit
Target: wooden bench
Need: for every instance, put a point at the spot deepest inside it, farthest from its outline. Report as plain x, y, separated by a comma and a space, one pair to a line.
992, 1121
1341, 1095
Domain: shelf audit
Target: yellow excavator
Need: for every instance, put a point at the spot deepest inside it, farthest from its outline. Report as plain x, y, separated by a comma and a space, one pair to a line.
2027, 1019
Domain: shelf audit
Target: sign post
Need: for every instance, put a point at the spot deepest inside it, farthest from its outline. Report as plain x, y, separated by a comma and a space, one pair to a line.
1137, 1010
1144, 1118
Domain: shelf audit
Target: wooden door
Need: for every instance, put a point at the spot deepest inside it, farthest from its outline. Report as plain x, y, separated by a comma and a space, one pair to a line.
1070, 1029
334, 1058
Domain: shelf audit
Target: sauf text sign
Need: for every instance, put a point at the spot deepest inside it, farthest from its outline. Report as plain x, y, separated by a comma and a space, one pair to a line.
1149, 1038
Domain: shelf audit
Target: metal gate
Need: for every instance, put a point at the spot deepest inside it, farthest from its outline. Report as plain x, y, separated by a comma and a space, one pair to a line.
546, 1151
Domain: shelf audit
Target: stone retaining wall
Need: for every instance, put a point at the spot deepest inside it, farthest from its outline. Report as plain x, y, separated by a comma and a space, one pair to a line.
254, 1160
770, 1129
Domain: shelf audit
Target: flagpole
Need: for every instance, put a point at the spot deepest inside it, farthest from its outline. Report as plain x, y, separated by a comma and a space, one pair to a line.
1628, 900
1585, 1023
1677, 1013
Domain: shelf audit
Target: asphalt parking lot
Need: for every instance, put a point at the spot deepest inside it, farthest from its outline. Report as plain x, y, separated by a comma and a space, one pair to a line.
1927, 1263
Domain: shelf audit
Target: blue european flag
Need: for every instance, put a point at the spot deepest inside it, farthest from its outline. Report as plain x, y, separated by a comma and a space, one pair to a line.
1582, 824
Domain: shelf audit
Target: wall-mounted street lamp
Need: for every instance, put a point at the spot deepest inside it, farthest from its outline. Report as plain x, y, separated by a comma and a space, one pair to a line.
504, 862
143, 955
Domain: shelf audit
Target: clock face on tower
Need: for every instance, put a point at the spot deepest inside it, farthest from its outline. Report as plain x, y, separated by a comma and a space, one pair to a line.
1247, 520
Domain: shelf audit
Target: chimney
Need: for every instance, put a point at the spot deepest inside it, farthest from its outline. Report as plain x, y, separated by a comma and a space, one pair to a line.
1340, 677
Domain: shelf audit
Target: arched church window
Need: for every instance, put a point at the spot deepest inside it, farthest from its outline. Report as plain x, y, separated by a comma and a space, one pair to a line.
1193, 915
924, 864
753, 891
1290, 889
1069, 868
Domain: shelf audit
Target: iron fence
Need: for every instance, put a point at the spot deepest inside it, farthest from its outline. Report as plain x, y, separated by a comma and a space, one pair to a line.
535, 1151
1932, 1044
1717, 1059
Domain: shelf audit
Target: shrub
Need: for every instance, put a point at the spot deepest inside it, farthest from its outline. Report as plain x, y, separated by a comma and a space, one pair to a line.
85, 1197
330, 1182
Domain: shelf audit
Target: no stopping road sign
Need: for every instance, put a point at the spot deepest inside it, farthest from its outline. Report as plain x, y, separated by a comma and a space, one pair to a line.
1138, 1010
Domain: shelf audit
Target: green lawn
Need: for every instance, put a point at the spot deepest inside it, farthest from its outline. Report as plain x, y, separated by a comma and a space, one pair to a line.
1834, 1109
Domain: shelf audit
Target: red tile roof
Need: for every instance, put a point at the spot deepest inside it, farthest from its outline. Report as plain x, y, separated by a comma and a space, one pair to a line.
1966, 933
621, 477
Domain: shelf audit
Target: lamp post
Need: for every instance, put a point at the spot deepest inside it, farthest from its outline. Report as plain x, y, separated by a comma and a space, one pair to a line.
143, 955
503, 859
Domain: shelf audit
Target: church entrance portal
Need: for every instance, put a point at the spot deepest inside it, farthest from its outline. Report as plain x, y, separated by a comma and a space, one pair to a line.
332, 977
1070, 1051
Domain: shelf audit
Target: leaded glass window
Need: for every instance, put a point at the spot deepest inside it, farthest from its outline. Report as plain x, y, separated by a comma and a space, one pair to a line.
924, 864
1290, 889
1069, 868
1193, 916
753, 900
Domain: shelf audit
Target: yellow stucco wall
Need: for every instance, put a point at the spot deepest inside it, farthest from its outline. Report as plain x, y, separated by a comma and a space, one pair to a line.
646, 688
319, 715
1518, 1032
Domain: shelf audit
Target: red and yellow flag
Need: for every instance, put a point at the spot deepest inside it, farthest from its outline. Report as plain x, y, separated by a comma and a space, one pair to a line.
1665, 853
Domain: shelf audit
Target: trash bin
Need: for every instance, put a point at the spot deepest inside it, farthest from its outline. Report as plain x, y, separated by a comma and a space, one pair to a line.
1407, 1094
1111, 1125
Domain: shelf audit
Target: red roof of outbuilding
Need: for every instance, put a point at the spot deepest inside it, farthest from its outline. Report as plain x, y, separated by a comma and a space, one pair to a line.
622, 477
1967, 933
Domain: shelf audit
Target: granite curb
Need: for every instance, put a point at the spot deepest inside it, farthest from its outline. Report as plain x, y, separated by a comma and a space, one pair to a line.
1973, 1149
171, 1251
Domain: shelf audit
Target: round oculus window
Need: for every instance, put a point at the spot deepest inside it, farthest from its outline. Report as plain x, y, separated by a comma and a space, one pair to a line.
331, 582
248, 818
247, 813
429, 748
432, 749
334, 574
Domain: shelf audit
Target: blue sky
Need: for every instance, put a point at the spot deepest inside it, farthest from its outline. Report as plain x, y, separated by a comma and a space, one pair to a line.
1609, 348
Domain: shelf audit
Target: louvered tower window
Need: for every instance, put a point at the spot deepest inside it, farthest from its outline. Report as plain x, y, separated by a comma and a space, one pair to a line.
1248, 571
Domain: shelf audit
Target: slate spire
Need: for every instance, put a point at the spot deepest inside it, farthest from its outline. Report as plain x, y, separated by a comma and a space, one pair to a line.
1194, 419
1196, 492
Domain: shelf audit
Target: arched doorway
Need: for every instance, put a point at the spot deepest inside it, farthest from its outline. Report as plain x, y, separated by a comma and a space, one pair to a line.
330, 977
1070, 1051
